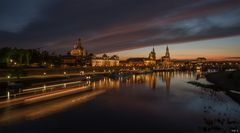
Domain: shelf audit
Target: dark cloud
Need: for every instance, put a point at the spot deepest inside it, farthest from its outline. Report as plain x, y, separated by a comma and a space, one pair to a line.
113, 25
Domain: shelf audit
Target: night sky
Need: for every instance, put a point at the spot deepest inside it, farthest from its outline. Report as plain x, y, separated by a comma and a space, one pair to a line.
118, 25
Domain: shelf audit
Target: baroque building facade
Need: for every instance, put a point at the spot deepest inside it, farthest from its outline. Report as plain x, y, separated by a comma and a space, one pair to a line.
78, 56
105, 61
150, 61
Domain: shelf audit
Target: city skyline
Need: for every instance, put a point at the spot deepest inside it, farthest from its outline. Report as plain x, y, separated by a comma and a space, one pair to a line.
119, 66
107, 27
215, 49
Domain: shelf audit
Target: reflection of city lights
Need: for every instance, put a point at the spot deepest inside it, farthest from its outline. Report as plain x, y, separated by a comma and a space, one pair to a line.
44, 73
88, 82
8, 76
64, 73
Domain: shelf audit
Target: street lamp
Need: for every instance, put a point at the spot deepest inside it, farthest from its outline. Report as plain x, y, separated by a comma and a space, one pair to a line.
81, 72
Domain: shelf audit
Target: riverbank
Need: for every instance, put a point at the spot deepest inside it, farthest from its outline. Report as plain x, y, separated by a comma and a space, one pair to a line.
228, 82
225, 80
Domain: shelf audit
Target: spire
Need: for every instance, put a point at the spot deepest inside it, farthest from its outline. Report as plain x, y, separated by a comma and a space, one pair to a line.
153, 48
79, 42
167, 52
152, 54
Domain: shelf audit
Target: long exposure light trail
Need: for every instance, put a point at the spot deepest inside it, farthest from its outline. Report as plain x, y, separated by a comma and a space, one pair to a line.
43, 96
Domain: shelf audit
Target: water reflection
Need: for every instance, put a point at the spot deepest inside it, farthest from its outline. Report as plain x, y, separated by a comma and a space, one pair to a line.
149, 80
166, 78
217, 112
160, 100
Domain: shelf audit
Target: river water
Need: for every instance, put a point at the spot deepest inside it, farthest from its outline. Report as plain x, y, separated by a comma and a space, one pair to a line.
162, 101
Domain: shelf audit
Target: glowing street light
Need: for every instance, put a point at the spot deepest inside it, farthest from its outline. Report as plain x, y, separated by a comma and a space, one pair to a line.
88, 77
8, 95
44, 88
8, 76
81, 72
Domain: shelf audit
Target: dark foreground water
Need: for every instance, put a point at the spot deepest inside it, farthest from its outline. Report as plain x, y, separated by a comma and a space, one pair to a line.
159, 101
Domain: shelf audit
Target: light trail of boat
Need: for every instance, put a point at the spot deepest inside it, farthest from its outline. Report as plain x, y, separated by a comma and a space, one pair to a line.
42, 96
41, 89
47, 86
47, 108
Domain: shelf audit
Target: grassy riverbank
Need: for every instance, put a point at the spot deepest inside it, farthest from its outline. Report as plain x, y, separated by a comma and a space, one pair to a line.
225, 80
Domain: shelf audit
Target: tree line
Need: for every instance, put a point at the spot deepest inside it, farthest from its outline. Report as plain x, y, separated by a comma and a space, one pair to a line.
10, 57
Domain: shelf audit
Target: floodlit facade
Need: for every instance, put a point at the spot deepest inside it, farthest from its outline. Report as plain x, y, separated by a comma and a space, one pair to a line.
166, 60
150, 61
78, 49
105, 61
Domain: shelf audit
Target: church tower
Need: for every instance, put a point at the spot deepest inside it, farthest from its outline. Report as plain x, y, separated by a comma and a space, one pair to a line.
152, 55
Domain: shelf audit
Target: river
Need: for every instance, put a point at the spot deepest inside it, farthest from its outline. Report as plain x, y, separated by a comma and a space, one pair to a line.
162, 101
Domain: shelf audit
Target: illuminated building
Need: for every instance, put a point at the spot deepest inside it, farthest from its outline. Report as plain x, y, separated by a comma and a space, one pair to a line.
201, 60
135, 62
78, 49
152, 55
150, 61
166, 60
199, 63
79, 56
76, 56
105, 61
